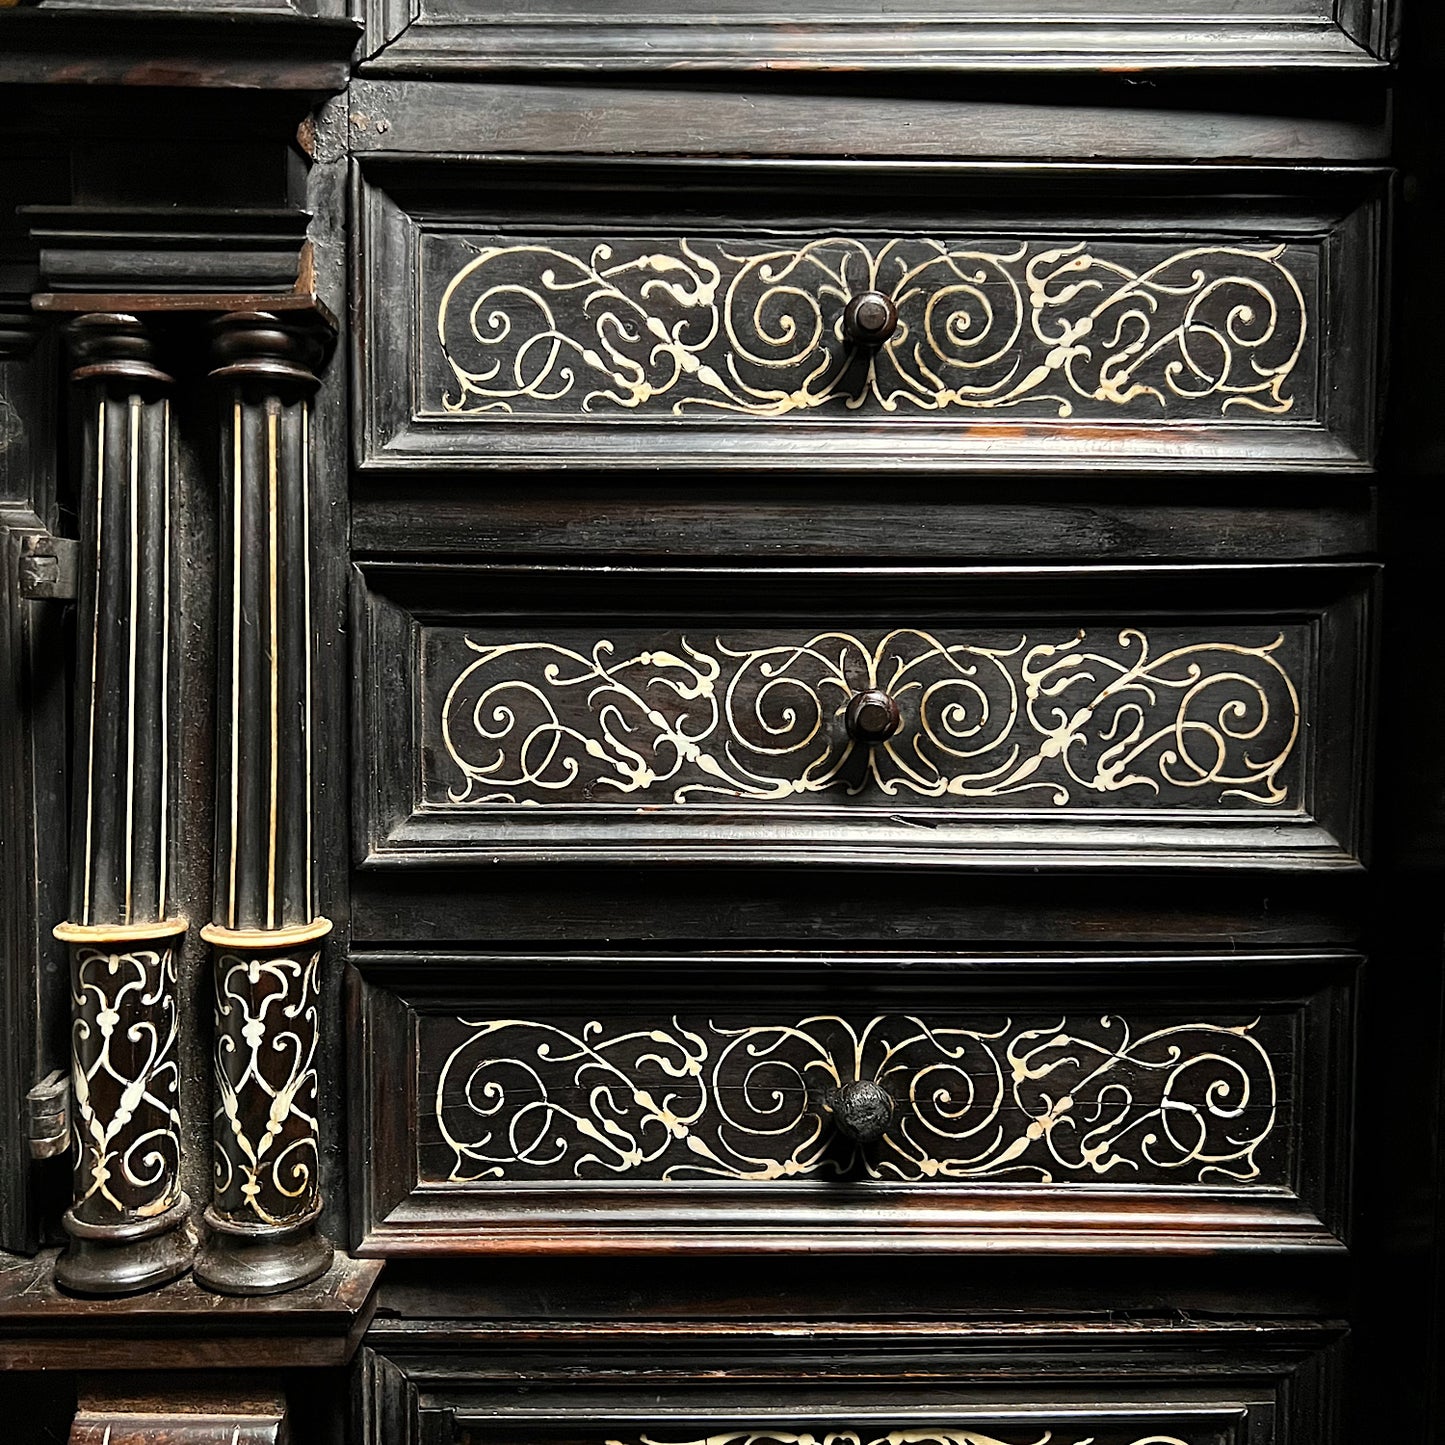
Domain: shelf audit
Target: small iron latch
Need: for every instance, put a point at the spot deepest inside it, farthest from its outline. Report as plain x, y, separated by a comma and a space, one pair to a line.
47, 1116
49, 567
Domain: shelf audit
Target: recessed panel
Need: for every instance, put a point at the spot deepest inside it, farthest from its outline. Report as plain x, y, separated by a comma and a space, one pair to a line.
1033, 1103
916, 318
972, 715
462, 35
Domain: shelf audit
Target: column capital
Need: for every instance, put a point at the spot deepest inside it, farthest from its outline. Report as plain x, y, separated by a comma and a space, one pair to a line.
112, 345
276, 348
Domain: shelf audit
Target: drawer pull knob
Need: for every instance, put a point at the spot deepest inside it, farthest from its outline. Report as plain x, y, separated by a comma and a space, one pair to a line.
872, 716
870, 318
862, 1110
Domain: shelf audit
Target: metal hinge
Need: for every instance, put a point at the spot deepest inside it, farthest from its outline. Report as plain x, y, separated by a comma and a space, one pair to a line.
47, 1116
49, 567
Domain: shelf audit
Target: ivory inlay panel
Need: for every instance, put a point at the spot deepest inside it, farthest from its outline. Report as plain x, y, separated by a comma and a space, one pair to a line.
718, 1097
265, 1140
990, 1435
125, 1079
1099, 717
1067, 329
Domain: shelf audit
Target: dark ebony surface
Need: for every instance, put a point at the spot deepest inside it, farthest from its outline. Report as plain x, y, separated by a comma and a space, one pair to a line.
559, 1344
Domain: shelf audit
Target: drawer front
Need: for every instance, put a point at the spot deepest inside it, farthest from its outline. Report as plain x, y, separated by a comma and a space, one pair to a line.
460, 35
1020, 322
1190, 1426
746, 1382
864, 716
867, 1104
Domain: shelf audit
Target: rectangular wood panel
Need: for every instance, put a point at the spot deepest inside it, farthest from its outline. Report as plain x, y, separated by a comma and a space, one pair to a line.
1067, 1425
1022, 320
461, 35
1066, 715
1089, 1380
863, 1103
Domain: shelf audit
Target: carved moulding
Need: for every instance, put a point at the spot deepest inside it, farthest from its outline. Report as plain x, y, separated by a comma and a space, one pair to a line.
211, 1413
266, 934
129, 1218
431, 37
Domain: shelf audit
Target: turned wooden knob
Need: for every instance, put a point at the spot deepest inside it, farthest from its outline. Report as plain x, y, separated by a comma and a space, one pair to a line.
872, 716
861, 1110
870, 318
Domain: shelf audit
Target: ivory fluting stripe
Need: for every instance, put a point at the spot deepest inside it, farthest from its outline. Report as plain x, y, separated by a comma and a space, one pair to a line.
100, 542
130, 692
237, 552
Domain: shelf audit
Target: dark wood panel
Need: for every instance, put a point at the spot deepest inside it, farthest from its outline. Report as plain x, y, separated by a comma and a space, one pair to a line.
954, 34
754, 1323
1073, 732
34, 700
1032, 322
843, 518
1266, 1382
177, 45
709, 1103
611, 907
1282, 124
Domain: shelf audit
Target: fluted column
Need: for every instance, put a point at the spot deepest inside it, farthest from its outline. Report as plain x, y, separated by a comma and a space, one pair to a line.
266, 934
128, 1222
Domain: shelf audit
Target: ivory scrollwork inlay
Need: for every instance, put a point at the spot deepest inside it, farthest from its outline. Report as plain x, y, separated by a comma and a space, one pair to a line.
1064, 721
267, 1009
125, 1081
1092, 1098
677, 326
907, 1437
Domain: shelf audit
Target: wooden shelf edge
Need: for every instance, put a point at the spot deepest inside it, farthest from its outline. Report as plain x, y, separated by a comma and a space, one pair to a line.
182, 1325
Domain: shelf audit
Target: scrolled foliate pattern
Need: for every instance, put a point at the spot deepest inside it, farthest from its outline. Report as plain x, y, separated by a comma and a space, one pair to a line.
673, 327
1101, 1098
1091, 719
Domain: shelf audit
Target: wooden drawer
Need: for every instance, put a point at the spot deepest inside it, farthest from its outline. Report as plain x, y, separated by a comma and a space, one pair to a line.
1049, 715
752, 1382
460, 35
860, 1103
1033, 317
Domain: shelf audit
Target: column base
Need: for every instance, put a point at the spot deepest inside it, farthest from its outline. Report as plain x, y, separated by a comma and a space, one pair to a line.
250, 1259
104, 1259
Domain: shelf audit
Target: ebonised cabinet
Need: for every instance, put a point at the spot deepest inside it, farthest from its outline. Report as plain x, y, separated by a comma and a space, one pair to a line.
720, 729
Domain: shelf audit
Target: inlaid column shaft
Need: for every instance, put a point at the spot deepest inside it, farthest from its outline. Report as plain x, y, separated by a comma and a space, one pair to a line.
266, 934
128, 1222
